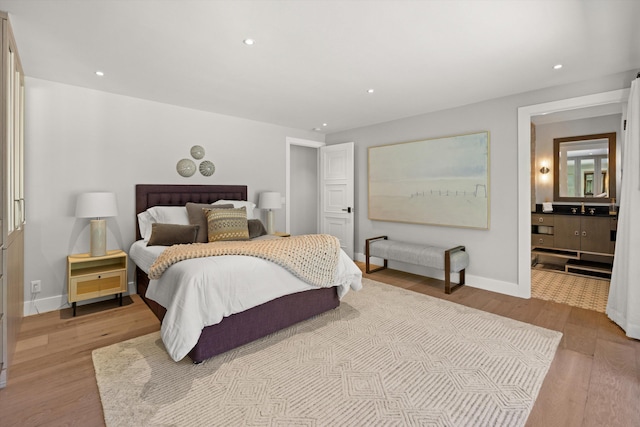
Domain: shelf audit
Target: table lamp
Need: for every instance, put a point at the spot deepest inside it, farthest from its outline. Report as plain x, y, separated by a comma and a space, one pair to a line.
97, 205
270, 200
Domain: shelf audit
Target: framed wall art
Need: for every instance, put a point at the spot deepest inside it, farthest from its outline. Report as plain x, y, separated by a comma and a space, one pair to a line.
440, 181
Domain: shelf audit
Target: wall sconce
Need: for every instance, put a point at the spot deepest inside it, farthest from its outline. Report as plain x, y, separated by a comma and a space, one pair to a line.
544, 169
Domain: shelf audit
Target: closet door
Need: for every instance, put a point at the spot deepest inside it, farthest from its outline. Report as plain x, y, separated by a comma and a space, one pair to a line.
12, 208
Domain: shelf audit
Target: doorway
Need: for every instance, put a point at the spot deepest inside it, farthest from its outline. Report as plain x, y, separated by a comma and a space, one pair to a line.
304, 190
331, 192
300, 154
525, 115
565, 268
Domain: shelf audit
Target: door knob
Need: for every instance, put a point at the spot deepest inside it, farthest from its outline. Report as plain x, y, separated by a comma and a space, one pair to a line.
348, 210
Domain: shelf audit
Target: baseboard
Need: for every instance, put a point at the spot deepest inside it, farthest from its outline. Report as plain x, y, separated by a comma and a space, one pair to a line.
479, 282
43, 305
60, 302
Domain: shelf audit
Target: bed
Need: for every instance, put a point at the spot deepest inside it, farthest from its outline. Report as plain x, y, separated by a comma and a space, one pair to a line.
299, 301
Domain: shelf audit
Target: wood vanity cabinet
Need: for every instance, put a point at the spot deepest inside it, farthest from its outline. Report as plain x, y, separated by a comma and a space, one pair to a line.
583, 233
542, 227
573, 236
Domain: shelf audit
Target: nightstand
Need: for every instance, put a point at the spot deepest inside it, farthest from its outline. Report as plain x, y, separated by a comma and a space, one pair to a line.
91, 277
281, 234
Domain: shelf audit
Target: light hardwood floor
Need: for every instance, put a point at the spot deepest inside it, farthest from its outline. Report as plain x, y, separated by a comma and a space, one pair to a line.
51, 380
594, 379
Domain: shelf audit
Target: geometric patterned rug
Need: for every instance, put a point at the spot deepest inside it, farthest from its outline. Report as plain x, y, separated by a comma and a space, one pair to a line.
576, 291
386, 356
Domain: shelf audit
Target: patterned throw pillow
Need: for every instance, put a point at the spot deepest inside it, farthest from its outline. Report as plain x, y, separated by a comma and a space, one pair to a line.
227, 224
195, 212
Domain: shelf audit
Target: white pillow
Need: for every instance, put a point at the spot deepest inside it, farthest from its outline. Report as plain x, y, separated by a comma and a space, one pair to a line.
163, 215
144, 224
239, 204
170, 214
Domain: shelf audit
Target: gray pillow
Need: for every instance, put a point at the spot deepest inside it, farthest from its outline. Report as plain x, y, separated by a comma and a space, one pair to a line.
197, 217
256, 228
172, 234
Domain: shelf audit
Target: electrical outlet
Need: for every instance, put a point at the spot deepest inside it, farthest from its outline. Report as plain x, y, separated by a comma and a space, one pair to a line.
36, 286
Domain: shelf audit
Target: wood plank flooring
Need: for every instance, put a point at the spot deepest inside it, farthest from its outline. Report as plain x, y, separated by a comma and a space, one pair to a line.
594, 379
52, 381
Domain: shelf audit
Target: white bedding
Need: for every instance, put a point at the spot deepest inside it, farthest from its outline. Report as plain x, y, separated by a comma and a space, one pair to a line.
195, 299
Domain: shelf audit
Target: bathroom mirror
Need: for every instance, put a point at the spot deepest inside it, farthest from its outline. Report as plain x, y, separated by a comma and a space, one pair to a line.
584, 168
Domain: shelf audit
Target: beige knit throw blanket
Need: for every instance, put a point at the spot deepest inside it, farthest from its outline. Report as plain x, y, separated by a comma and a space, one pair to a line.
312, 257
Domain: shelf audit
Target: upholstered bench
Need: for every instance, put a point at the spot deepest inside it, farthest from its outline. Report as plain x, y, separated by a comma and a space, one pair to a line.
454, 260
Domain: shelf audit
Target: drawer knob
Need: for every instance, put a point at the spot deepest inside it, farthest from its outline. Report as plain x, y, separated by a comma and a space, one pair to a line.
540, 219
541, 241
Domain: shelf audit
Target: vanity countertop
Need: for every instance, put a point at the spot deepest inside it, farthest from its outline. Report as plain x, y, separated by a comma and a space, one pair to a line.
598, 210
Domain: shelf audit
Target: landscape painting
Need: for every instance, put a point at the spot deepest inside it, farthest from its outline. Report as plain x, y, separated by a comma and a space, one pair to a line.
440, 181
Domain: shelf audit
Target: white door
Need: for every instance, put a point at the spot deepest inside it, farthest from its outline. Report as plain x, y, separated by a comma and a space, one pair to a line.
336, 193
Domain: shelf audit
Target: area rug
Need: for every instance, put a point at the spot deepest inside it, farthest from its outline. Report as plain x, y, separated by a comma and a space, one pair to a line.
576, 291
386, 356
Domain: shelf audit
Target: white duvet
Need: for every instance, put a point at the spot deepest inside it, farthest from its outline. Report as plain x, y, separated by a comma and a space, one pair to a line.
201, 292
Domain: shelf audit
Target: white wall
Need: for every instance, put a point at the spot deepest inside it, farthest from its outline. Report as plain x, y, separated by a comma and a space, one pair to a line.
493, 252
545, 133
81, 140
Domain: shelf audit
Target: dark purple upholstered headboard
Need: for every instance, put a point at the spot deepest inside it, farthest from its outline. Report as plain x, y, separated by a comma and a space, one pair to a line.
148, 195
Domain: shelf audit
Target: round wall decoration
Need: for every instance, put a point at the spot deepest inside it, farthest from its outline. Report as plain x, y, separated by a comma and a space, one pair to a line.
207, 168
186, 167
197, 152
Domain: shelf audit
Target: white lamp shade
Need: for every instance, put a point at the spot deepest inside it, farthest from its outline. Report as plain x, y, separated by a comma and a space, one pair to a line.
96, 205
270, 200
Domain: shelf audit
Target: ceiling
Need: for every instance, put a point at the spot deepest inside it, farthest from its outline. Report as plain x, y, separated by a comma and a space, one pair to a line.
313, 61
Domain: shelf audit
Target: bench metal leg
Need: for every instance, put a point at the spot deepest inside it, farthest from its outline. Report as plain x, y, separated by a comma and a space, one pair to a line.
447, 271
367, 255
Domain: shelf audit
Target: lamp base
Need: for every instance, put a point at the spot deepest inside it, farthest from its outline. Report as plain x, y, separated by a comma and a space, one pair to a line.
98, 237
271, 228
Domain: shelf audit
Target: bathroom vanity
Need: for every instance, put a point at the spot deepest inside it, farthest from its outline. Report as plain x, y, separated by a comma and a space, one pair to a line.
585, 242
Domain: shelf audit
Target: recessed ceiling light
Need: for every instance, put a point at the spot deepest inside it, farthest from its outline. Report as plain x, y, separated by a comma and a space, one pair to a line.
325, 124
369, 90
317, 129
248, 42
557, 66
99, 73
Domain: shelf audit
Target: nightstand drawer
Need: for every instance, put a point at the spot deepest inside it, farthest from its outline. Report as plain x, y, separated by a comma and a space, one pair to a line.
96, 285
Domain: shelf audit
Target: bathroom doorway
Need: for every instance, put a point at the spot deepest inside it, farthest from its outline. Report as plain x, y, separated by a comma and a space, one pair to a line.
578, 278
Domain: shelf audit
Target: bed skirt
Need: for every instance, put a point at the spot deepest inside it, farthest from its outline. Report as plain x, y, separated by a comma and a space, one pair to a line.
257, 322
